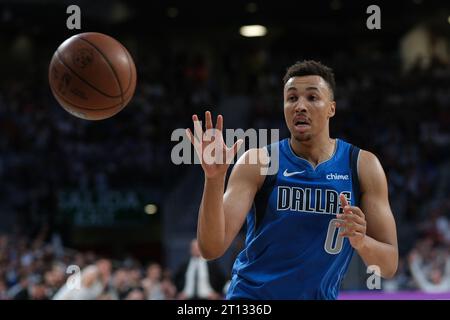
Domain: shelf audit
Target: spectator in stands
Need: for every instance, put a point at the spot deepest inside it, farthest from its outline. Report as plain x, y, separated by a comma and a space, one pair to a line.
93, 281
152, 282
430, 277
167, 287
136, 294
199, 279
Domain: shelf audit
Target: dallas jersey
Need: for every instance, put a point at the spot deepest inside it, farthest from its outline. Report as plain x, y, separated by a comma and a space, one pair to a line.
292, 248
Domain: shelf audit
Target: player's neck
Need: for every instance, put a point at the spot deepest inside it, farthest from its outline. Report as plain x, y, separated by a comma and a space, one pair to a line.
315, 150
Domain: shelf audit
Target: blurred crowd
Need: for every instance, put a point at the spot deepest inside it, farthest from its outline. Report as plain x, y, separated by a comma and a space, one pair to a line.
426, 266
34, 269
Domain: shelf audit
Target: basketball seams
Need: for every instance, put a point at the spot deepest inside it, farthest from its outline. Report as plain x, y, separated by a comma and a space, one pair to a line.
82, 107
58, 55
107, 62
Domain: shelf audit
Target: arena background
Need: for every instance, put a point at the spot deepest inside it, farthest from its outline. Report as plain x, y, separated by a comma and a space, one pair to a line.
73, 191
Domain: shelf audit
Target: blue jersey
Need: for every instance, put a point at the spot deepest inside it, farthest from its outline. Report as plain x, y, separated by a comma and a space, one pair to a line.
292, 248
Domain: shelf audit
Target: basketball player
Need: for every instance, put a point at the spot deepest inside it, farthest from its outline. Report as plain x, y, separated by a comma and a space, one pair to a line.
328, 199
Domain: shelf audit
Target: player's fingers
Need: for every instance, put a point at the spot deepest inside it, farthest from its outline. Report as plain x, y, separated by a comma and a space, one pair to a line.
235, 148
352, 218
208, 120
231, 152
350, 234
356, 211
351, 226
355, 228
197, 127
344, 203
190, 136
219, 124
194, 141
343, 199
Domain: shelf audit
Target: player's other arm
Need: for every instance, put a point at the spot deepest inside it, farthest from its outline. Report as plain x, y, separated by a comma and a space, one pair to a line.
380, 246
372, 231
221, 216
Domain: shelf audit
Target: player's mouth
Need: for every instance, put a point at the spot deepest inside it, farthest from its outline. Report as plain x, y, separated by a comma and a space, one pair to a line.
302, 124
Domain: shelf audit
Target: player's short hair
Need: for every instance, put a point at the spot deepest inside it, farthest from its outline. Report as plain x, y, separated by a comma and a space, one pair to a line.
311, 68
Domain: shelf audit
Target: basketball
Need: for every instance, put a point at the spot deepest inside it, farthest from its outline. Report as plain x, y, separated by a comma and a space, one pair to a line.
92, 76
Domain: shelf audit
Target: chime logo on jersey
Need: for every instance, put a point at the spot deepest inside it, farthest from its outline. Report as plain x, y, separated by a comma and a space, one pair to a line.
326, 201
336, 176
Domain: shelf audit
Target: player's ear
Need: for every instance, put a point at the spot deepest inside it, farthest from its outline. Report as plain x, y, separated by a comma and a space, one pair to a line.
332, 109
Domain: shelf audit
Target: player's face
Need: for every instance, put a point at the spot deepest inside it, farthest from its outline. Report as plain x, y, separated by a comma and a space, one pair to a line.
308, 106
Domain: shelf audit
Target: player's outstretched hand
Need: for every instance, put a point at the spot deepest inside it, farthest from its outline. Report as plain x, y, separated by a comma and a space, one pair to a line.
353, 222
215, 157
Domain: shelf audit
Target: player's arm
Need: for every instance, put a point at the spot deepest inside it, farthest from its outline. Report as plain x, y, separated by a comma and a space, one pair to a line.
221, 216
371, 228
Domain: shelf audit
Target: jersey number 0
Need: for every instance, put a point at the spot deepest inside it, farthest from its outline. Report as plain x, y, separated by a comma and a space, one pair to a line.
331, 246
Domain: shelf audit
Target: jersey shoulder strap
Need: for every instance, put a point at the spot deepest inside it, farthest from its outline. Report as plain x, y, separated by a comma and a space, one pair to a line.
354, 154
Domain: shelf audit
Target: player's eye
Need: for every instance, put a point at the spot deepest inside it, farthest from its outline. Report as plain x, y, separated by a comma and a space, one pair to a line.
312, 98
292, 98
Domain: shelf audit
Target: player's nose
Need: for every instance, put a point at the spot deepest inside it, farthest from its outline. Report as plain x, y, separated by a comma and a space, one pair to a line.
300, 105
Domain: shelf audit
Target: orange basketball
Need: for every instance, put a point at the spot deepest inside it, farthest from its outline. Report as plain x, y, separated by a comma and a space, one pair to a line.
92, 76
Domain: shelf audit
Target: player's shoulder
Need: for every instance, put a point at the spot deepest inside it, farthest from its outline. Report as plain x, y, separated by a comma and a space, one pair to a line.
255, 156
251, 165
368, 159
370, 171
